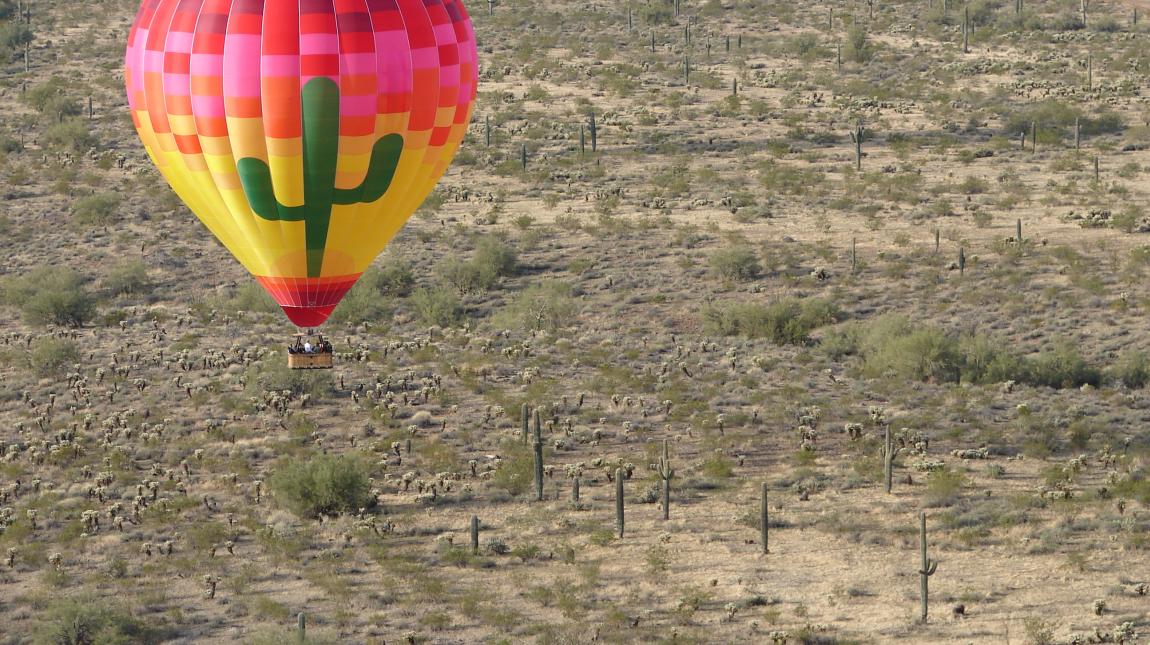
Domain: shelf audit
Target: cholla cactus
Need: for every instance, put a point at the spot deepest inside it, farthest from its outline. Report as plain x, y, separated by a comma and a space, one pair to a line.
877, 415
31, 515
1142, 588
730, 609
779, 637
211, 581
10, 557
1099, 607
57, 562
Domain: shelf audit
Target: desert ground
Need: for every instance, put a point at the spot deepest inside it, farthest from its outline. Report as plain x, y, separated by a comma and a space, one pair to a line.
722, 274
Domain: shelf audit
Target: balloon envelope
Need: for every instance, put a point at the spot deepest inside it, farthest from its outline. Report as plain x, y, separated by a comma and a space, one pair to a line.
302, 133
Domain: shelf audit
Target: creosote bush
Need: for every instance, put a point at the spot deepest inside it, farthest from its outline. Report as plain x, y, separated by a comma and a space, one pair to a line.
50, 356
273, 375
892, 346
515, 472
365, 301
87, 621
96, 210
541, 307
737, 263
51, 295
785, 322
127, 278
437, 306
324, 484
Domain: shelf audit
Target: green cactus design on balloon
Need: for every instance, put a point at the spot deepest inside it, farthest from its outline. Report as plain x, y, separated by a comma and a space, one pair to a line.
320, 103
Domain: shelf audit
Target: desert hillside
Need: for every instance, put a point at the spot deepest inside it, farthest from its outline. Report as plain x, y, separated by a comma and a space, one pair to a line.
820, 250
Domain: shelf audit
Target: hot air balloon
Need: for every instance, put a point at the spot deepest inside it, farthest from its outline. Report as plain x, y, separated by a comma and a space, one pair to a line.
302, 133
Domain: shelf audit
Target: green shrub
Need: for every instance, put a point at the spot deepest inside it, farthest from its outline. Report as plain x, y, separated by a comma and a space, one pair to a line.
717, 467
1132, 369
787, 321
1061, 366
51, 99
461, 275
986, 360
273, 375
365, 301
51, 356
96, 210
858, 48
516, 471
393, 276
893, 346
437, 306
51, 295
323, 484
737, 263
898, 348
14, 36
127, 278
246, 297
943, 487
495, 257
87, 621
70, 134
541, 307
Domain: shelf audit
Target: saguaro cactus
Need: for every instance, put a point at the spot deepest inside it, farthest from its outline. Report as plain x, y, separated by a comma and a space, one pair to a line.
764, 517
928, 566
1018, 231
538, 447
666, 473
966, 30
594, 133
525, 417
888, 454
619, 502
474, 534
301, 627
857, 139
961, 261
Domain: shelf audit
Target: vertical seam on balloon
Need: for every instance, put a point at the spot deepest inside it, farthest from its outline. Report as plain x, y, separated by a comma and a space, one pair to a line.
360, 208
378, 218
321, 285
281, 224
246, 219
401, 195
410, 194
232, 14
239, 234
